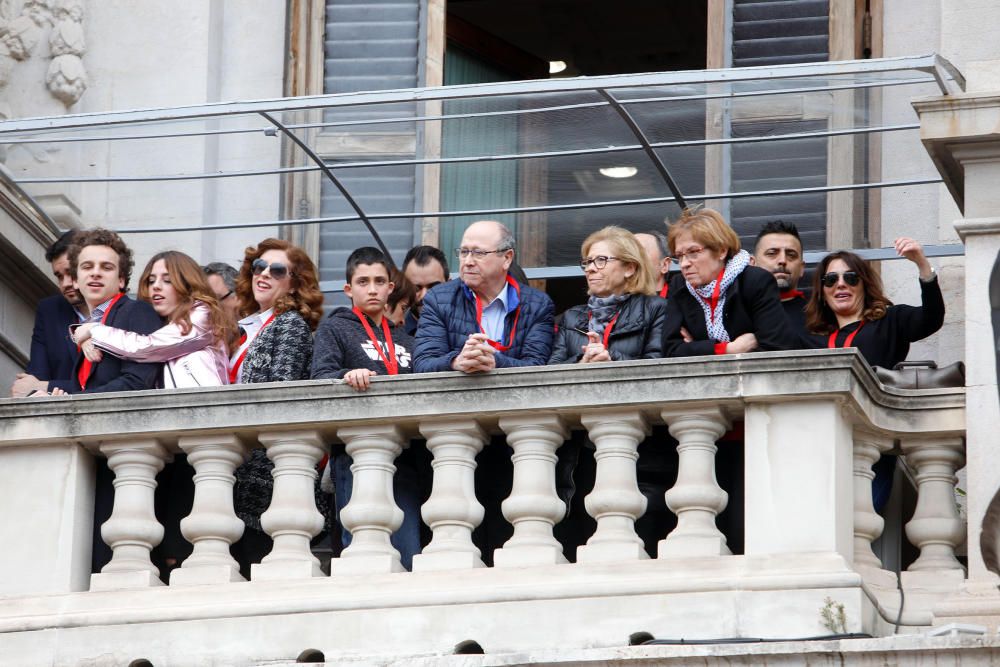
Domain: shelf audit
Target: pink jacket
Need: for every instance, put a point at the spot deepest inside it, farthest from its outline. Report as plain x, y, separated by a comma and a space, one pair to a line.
192, 360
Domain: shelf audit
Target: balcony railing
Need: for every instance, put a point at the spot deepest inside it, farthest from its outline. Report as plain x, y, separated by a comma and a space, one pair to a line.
814, 423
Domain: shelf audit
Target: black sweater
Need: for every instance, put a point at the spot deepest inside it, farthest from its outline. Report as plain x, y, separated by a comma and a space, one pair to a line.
343, 345
637, 334
886, 342
752, 306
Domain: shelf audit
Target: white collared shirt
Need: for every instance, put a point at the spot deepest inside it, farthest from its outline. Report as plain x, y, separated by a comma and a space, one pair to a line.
251, 326
494, 315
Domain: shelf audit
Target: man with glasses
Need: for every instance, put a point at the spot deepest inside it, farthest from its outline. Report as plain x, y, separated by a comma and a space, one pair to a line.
222, 279
486, 319
778, 249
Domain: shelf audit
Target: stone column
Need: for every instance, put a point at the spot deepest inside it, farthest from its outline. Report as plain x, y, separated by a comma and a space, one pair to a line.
696, 498
615, 503
212, 525
292, 519
868, 525
452, 511
935, 529
533, 507
371, 515
799, 491
132, 531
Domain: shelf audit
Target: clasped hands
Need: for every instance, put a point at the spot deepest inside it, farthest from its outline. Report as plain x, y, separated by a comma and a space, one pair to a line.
594, 350
477, 355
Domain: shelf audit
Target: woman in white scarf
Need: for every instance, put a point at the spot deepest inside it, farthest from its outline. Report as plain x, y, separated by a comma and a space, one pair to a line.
720, 304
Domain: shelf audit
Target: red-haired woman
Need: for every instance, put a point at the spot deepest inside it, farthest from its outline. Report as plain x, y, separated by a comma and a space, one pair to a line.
281, 303
194, 342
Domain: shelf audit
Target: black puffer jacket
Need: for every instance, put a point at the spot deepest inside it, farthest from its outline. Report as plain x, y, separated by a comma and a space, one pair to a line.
637, 334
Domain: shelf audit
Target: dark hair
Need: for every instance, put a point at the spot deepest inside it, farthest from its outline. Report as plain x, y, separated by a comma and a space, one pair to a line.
820, 319
224, 271
402, 290
661, 242
777, 227
108, 238
424, 255
366, 255
189, 283
60, 246
303, 296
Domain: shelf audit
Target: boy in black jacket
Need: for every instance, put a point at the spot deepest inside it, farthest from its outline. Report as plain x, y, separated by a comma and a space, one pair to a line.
354, 345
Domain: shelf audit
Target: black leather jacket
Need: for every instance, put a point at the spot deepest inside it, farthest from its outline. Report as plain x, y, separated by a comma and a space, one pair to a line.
637, 334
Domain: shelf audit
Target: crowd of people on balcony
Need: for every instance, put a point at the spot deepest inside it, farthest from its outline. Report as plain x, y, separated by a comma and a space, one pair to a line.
216, 325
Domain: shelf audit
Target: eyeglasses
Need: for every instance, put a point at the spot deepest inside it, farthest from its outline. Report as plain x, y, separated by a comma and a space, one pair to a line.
692, 255
599, 262
278, 270
478, 255
227, 295
832, 278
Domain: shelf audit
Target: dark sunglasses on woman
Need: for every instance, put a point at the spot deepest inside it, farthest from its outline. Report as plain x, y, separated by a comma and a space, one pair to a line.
832, 278
278, 270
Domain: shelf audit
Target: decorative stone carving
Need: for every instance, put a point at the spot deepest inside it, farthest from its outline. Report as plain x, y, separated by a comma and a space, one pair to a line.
22, 35
67, 77
868, 524
936, 528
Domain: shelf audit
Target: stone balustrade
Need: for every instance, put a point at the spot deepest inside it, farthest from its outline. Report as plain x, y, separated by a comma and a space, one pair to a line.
814, 423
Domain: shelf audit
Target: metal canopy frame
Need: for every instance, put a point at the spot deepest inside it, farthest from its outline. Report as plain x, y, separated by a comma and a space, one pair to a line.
615, 92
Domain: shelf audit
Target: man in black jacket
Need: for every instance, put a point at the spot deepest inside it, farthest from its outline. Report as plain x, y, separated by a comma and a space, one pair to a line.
778, 249
53, 353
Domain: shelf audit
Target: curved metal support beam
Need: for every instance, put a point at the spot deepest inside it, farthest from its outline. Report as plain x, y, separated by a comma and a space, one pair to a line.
333, 179
637, 131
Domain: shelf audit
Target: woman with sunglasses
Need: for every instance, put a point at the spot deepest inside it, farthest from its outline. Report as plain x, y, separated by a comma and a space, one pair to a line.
282, 305
621, 319
196, 339
720, 304
848, 307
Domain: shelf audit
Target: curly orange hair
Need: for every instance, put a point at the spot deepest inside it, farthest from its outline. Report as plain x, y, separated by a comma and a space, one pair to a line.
303, 296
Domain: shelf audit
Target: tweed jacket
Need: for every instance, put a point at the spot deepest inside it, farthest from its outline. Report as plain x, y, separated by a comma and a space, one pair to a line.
281, 352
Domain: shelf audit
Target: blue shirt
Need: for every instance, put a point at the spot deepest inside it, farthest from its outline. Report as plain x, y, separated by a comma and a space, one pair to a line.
494, 314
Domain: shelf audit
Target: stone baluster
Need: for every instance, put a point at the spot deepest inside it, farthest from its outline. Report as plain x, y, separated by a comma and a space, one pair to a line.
696, 498
372, 515
212, 525
452, 511
868, 524
936, 528
292, 519
615, 503
132, 531
533, 506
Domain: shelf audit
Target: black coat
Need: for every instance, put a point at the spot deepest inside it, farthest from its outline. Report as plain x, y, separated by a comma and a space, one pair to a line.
637, 334
752, 306
53, 352
112, 373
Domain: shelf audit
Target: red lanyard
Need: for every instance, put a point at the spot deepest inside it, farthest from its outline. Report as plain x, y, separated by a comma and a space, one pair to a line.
391, 362
665, 290
847, 342
513, 330
85, 368
790, 294
715, 295
608, 328
234, 372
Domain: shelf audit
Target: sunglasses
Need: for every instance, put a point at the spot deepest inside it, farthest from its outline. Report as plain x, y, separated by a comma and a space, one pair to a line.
278, 270
832, 278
